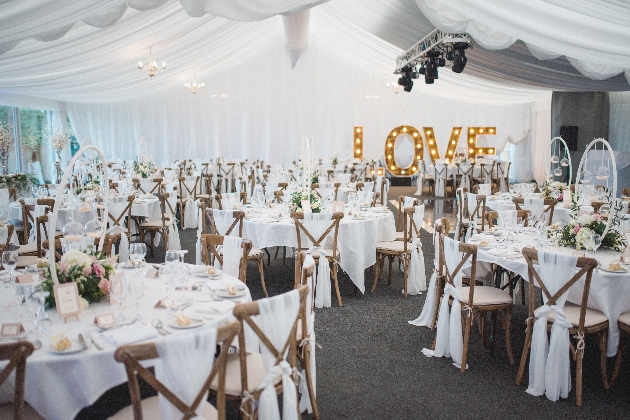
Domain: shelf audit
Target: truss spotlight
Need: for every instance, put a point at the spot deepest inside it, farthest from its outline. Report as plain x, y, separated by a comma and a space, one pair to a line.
459, 61
432, 69
409, 86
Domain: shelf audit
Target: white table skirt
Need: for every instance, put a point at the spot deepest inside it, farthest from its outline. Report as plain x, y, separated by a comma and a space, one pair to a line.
610, 292
356, 240
59, 386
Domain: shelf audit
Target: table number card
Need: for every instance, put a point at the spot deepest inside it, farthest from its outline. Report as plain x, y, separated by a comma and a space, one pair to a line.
105, 320
11, 330
67, 300
115, 281
338, 206
306, 206
25, 278
152, 273
164, 303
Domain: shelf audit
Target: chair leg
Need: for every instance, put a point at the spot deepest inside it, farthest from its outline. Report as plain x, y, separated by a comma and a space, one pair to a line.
261, 269
522, 284
376, 264
405, 263
508, 334
334, 275
617, 368
481, 319
578, 376
466, 338
438, 295
603, 338
391, 262
309, 382
528, 342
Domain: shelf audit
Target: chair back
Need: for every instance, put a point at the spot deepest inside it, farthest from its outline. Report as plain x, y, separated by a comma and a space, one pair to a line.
317, 239
414, 219
403, 203
210, 252
455, 254
476, 206
133, 355
222, 218
185, 190
537, 205
16, 354
120, 220
491, 216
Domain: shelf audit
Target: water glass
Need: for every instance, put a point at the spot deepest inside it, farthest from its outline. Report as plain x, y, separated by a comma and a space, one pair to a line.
171, 256
137, 251
135, 287
118, 290
9, 262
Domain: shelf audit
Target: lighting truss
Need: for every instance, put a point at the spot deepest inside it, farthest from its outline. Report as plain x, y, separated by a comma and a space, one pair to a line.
435, 40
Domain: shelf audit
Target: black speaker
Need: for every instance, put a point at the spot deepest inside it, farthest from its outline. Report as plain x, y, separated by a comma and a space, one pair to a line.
569, 134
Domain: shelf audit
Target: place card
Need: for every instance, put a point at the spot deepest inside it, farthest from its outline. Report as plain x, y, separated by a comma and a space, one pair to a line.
152, 273
338, 207
25, 278
67, 300
164, 303
115, 282
11, 330
306, 206
105, 320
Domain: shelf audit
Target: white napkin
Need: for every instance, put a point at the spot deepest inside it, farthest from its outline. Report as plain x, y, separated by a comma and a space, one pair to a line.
129, 335
502, 252
220, 284
221, 307
184, 367
485, 189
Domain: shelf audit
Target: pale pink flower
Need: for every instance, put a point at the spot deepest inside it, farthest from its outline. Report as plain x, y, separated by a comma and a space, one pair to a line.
577, 229
104, 285
98, 270
87, 271
597, 216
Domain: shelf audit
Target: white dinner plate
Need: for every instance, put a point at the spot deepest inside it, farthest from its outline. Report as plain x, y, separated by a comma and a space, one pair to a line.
74, 348
128, 264
621, 270
226, 295
194, 323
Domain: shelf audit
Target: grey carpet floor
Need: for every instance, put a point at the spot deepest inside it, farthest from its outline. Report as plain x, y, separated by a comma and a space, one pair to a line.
370, 365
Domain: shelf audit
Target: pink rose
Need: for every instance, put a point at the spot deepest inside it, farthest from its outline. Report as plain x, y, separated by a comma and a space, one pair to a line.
98, 270
87, 271
104, 286
597, 216
63, 267
93, 258
577, 229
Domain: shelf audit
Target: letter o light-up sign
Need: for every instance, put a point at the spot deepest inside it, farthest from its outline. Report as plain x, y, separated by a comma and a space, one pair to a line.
390, 143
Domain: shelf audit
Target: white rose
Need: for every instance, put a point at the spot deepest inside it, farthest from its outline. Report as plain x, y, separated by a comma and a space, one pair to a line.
315, 205
76, 257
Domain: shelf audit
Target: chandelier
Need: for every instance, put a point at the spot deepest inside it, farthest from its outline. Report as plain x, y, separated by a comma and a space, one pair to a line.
151, 67
195, 87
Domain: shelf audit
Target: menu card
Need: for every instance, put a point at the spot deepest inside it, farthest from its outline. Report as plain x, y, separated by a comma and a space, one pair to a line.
25, 278
164, 303
11, 330
306, 206
338, 206
67, 300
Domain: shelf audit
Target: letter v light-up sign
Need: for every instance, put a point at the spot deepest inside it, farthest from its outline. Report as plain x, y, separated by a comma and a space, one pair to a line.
432, 146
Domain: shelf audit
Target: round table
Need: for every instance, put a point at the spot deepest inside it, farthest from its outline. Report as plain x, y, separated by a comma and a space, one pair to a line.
356, 241
60, 385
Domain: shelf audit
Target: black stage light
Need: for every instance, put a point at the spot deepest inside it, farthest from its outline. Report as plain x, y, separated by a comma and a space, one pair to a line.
432, 69
441, 62
409, 86
459, 61
428, 81
422, 69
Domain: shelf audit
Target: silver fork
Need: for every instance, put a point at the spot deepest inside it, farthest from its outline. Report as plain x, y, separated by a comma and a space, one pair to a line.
88, 335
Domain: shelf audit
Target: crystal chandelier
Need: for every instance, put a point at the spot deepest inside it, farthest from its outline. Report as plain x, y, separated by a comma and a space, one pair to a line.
195, 87
151, 67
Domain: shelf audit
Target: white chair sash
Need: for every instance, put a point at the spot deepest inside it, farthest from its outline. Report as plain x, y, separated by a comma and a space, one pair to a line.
417, 278
471, 200
232, 253
190, 221
4, 203
40, 210
426, 316
449, 340
408, 202
223, 219
485, 189
305, 400
536, 205
316, 224
549, 364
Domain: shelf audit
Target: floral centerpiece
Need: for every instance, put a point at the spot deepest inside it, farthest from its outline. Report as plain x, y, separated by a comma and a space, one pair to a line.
581, 227
553, 189
315, 177
335, 160
6, 140
295, 204
21, 182
145, 169
92, 185
218, 161
91, 271
58, 141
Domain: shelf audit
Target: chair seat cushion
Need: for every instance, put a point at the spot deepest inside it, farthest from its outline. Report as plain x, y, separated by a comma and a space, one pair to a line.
592, 317
396, 246
255, 253
153, 224
26, 260
28, 249
625, 319
255, 374
487, 295
151, 410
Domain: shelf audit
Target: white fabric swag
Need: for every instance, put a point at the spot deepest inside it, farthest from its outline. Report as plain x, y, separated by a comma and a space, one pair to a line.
549, 364
316, 224
440, 173
449, 341
40, 210
116, 210
4, 203
535, 205
232, 254
223, 219
183, 368
305, 400
408, 202
417, 278
485, 189
426, 316
276, 319
190, 221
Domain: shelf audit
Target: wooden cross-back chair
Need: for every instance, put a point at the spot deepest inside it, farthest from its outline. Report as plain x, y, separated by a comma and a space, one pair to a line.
548, 206
209, 253
133, 355
28, 223
478, 214
219, 199
5, 246
486, 172
122, 222
157, 188
401, 210
460, 174
183, 189
441, 227
491, 216
583, 320
503, 172
396, 249
249, 367
13, 194
16, 354
161, 226
332, 254
477, 300
493, 188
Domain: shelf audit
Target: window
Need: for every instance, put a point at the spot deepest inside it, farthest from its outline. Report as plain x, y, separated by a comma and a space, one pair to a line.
32, 126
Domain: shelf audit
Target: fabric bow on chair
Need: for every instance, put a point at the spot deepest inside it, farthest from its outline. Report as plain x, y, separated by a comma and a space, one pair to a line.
426, 316
190, 221
417, 282
316, 224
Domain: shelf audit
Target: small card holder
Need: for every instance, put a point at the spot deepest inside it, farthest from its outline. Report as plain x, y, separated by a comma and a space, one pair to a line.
105, 320
114, 282
67, 300
338, 207
152, 273
11, 330
25, 278
165, 302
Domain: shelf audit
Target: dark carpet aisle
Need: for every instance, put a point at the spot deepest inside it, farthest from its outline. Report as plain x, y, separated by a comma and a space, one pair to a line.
370, 365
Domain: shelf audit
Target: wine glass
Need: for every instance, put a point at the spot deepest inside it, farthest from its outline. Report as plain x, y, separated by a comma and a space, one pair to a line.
42, 319
531, 219
118, 290
9, 261
604, 209
137, 251
596, 241
135, 287
171, 256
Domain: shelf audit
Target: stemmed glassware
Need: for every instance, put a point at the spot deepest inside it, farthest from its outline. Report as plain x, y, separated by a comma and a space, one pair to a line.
118, 290
135, 288
137, 251
171, 256
9, 262
595, 240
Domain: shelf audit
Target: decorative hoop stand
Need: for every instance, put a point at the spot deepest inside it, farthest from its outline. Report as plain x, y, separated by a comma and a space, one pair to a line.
86, 145
614, 174
569, 166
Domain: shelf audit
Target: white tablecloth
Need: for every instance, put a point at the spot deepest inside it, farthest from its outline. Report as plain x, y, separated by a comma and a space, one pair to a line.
560, 212
610, 292
59, 386
356, 241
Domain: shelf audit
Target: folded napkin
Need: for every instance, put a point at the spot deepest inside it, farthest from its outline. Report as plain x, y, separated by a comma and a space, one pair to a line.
220, 284
480, 237
129, 335
502, 252
222, 307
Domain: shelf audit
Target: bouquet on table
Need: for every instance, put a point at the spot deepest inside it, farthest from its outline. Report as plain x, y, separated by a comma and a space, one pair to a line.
91, 271
581, 227
145, 169
298, 196
91, 185
553, 189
